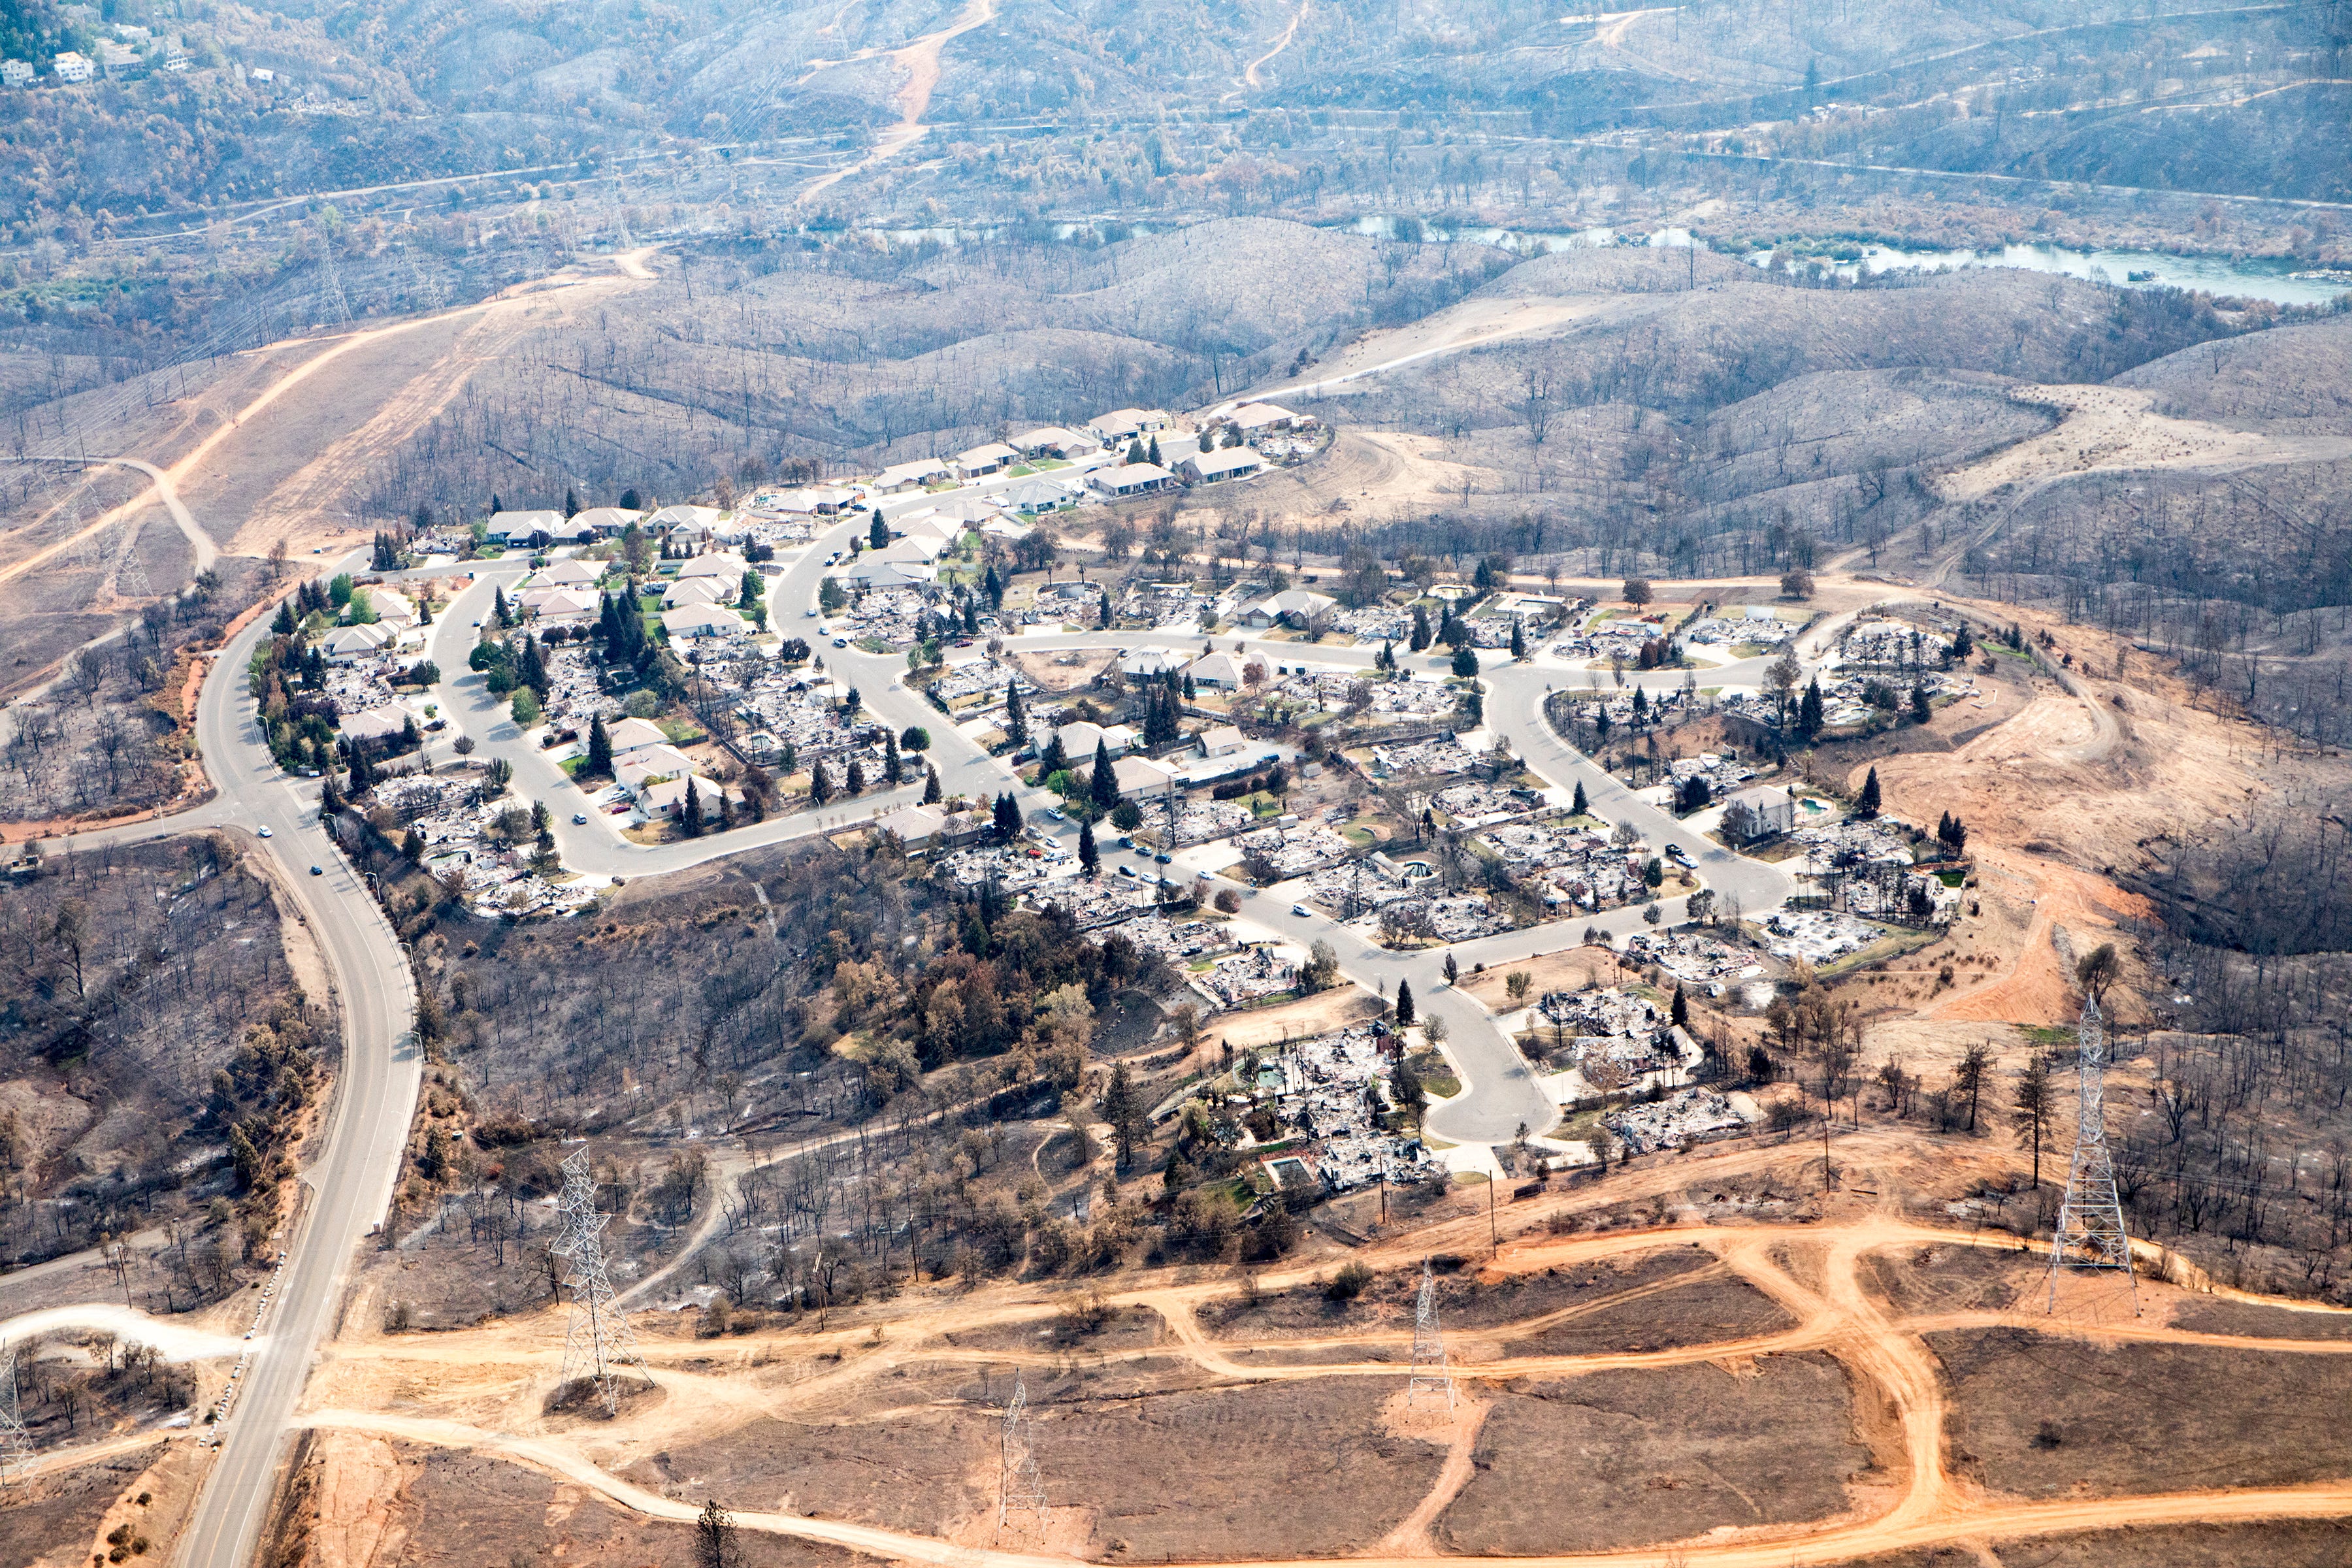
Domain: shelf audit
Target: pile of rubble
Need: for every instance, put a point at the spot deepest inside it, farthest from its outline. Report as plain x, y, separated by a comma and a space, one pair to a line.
1169, 607
1765, 631
1422, 758
1882, 643
1296, 850
1566, 867
1092, 901
1477, 805
1023, 864
1199, 821
1460, 917
1330, 1090
1687, 1114
1250, 975
1698, 961
1817, 936
979, 677
1173, 940
1372, 622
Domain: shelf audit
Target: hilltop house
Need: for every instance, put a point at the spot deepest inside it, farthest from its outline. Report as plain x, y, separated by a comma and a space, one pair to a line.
1129, 479
1121, 425
1053, 441
988, 457
1223, 463
1293, 607
1760, 813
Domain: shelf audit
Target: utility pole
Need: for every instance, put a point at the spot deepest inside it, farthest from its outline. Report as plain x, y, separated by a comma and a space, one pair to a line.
2090, 1233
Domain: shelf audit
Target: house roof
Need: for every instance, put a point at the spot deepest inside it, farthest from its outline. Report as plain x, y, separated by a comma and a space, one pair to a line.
697, 591
1141, 776
681, 516
553, 602
1047, 435
988, 452
1129, 476
913, 823
509, 524
359, 639
1761, 798
1221, 737
654, 762
1224, 460
628, 735
375, 723
692, 618
1129, 419
1255, 415
672, 792
1296, 602
562, 574
600, 518
1223, 669
725, 563
1079, 738
915, 472
390, 606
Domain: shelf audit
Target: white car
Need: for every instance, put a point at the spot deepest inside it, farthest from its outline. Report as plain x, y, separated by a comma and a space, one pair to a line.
265, 831
1300, 910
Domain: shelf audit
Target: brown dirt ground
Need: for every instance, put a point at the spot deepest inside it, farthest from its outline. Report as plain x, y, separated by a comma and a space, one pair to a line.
2279, 1544
1618, 1459
2215, 1315
2141, 1417
1297, 1020
464, 1511
1299, 1468
1571, 970
913, 1469
1952, 1278
52, 1521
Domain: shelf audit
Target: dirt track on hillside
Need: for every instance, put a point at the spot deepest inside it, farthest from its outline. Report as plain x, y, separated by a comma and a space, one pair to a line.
481, 1390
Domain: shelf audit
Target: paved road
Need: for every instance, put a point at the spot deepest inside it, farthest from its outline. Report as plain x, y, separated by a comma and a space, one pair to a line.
349, 1186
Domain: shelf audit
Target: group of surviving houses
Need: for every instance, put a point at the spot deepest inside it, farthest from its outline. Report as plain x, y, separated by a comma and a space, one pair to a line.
1064, 466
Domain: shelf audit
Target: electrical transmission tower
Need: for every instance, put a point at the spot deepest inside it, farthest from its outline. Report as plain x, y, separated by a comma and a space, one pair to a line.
598, 1341
1021, 1490
1432, 1381
2090, 1233
331, 297
16, 1443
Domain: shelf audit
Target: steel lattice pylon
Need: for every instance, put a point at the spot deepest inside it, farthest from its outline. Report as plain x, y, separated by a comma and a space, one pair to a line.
599, 1340
1022, 1489
1432, 1381
16, 1443
2090, 1233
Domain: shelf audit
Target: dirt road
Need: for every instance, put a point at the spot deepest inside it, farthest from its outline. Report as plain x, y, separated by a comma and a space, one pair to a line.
1816, 1274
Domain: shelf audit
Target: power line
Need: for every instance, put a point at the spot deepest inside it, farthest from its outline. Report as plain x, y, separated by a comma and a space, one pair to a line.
2090, 1233
599, 1340
1433, 1380
1021, 1490
16, 1443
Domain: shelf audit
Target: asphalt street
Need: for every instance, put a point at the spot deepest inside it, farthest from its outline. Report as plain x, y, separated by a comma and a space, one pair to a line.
346, 1191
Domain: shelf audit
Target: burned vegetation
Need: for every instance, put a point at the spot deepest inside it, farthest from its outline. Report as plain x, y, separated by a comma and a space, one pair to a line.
805, 1068
159, 1063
